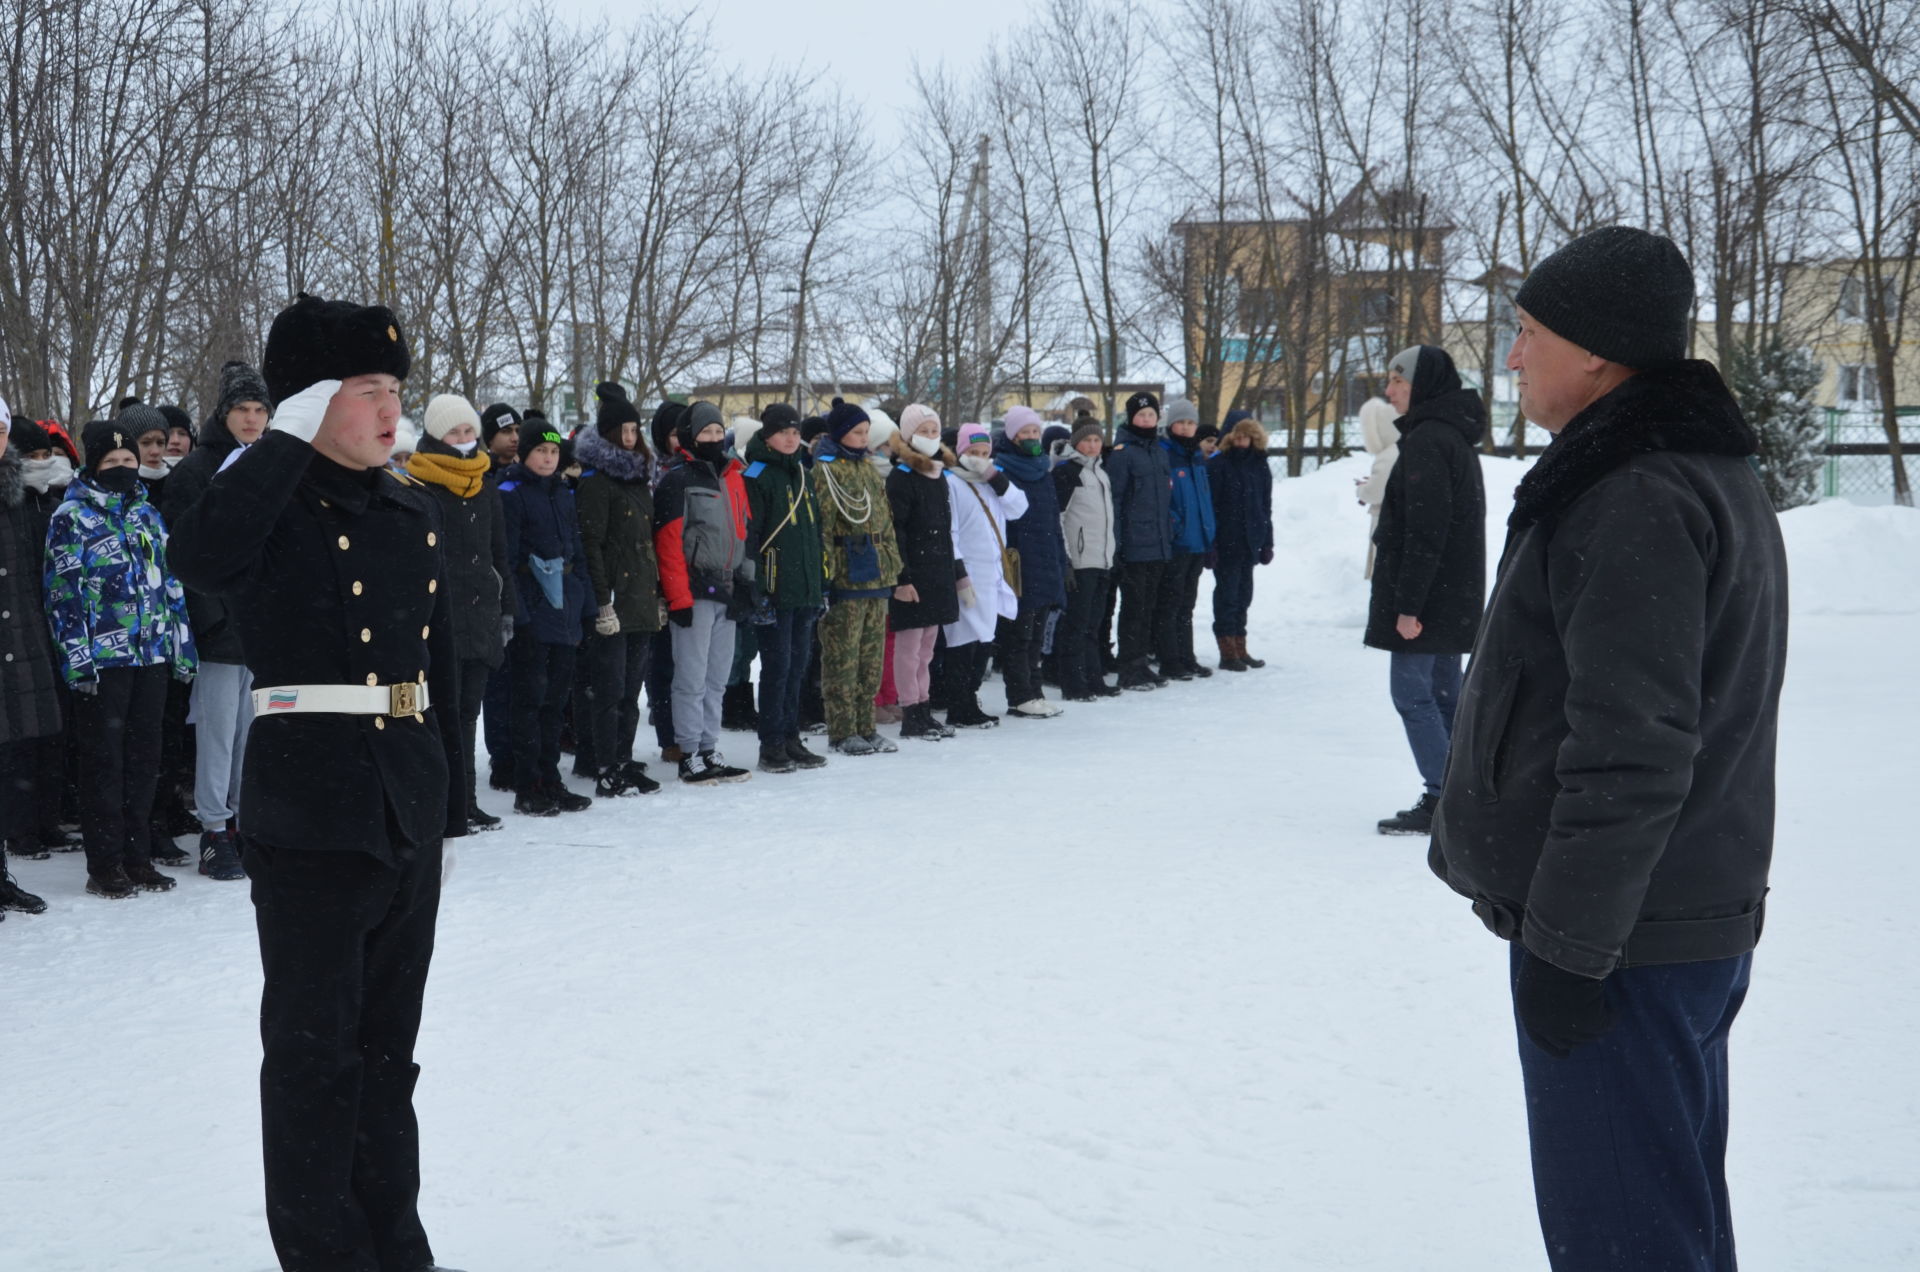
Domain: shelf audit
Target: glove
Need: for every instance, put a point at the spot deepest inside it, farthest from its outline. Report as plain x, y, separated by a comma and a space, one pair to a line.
300, 415
608, 623
89, 687
1266, 556
682, 617
967, 595
506, 630
1559, 1009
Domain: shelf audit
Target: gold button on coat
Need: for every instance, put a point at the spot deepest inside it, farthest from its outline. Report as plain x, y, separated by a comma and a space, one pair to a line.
433, 585
356, 587
343, 543
423, 633
372, 679
379, 722
432, 539
366, 634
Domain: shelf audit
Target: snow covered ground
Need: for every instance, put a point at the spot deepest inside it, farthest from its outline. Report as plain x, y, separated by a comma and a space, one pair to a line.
1135, 988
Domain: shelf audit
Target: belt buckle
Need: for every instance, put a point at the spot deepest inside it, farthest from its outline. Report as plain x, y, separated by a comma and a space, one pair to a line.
404, 698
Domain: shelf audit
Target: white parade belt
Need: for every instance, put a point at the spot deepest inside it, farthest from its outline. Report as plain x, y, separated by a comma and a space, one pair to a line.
409, 697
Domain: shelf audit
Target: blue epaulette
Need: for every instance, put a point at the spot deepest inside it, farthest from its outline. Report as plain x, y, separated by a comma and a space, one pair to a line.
756, 468
825, 459
587, 472
505, 486
903, 468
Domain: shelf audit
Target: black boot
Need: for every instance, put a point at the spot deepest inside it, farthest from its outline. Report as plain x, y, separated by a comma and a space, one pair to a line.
112, 883
28, 849
916, 721
774, 758
634, 774
968, 715
15, 897
142, 875
803, 758
1137, 675
1417, 820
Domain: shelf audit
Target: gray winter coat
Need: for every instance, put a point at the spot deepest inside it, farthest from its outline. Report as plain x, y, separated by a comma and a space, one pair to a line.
1086, 511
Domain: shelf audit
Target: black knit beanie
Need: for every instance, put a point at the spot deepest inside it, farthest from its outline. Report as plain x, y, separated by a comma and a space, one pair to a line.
666, 417
140, 419
616, 410
535, 430
495, 418
240, 383
102, 437
1620, 293
777, 417
1141, 402
812, 427
844, 418
177, 418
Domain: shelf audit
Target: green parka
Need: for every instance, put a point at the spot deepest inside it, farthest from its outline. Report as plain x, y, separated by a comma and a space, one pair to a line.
786, 527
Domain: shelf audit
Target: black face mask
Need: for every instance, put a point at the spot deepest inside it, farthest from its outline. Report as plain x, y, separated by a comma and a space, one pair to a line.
117, 481
714, 453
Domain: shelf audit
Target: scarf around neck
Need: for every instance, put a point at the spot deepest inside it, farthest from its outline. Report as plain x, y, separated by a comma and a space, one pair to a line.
463, 475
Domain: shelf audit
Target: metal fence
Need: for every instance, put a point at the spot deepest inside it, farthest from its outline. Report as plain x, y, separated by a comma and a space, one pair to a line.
1859, 460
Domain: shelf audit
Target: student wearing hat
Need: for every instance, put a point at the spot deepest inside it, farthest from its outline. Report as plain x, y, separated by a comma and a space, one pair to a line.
448, 462
1084, 493
29, 703
791, 567
181, 434
1610, 804
1141, 472
1191, 506
932, 579
500, 435
661, 428
223, 688
985, 502
336, 573
702, 529
1242, 488
615, 497
863, 564
46, 470
1043, 564
150, 430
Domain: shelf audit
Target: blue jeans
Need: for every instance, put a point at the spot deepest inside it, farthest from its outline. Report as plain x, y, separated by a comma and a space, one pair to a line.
785, 649
1629, 1134
1232, 594
1426, 688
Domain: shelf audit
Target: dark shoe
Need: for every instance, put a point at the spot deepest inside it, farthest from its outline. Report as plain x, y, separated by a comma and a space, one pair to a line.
612, 786
167, 853
1171, 670
916, 721
634, 774
724, 771
28, 849
968, 715
180, 820
220, 856
1240, 647
499, 781
1137, 676
112, 884
802, 757
1101, 689
774, 758
1204, 673
567, 802
14, 897
1417, 820
855, 745
881, 743
737, 712
535, 804
143, 875
697, 770
479, 821
1230, 659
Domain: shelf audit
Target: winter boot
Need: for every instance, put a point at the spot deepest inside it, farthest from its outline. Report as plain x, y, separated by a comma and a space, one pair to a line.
943, 729
479, 821
1230, 659
220, 856
568, 802
803, 758
855, 745
774, 758
1240, 644
612, 784
967, 714
916, 721
112, 884
881, 743
142, 875
634, 774
501, 780
737, 713
28, 849
15, 897
535, 803
1417, 820
164, 852
723, 771
1137, 676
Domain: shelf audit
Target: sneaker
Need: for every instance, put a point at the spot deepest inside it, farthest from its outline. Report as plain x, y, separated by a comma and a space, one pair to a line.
774, 758
917, 722
881, 742
1172, 670
143, 875
1034, 709
634, 774
699, 770
16, 898
220, 856
1417, 820
535, 804
727, 772
479, 821
568, 802
968, 715
802, 757
855, 745
112, 884
28, 849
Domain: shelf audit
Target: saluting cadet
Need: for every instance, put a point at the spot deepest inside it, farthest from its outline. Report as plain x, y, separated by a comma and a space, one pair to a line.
334, 566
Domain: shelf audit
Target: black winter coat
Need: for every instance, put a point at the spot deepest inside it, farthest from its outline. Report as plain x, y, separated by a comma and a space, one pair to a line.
1432, 540
541, 523
1141, 473
1242, 487
1609, 800
1036, 534
336, 578
29, 701
475, 546
918, 497
615, 499
215, 636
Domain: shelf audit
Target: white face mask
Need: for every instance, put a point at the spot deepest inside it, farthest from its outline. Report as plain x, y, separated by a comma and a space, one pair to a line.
928, 446
466, 448
45, 474
982, 464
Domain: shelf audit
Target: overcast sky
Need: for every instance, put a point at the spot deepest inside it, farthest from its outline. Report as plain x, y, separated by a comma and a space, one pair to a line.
868, 45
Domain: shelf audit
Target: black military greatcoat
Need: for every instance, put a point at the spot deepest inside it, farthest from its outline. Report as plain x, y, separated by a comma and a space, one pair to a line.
337, 578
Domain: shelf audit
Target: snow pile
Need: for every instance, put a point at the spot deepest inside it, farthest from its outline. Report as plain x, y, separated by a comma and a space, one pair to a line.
1846, 558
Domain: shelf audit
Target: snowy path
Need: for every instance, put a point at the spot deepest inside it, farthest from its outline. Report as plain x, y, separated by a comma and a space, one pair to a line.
1136, 988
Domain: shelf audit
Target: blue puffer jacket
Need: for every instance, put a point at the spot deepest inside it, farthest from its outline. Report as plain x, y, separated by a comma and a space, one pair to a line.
541, 523
111, 600
1242, 502
1036, 535
1142, 479
1192, 507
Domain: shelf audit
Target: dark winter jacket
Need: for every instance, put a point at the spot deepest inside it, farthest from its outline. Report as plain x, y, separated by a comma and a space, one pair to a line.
541, 523
615, 495
111, 596
1191, 503
701, 524
786, 526
214, 632
1141, 472
1609, 800
29, 699
1242, 487
336, 578
920, 500
1036, 536
474, 543
856, 525
1432, 540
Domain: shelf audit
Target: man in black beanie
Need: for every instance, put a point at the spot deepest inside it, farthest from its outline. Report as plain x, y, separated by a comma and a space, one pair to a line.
1609, 802
500, 434
333, 565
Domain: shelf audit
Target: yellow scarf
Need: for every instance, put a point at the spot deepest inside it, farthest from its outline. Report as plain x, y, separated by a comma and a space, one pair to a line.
462, 474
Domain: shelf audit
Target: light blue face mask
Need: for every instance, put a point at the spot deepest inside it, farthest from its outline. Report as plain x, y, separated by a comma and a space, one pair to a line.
549, 573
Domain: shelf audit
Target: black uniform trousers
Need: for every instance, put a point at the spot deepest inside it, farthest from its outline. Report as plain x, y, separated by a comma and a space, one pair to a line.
499, 722
542, 678
118, 728
1018, 641
1232, 594
660, 688
963, 669
476, 686
786, 644
616, 672
1139, 594
1078, 639
345, 941
1173, 614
